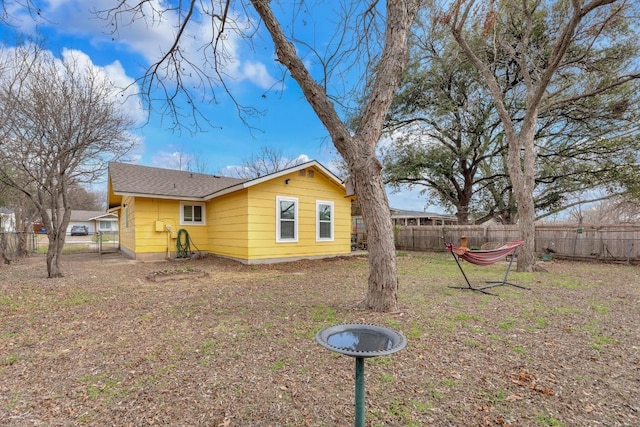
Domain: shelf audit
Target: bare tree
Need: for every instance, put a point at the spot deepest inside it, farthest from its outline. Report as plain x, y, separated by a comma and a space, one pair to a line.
180, 160
617, 210
185, 161
268, 160
368, 33
81, 199
561, 51
60, 123
6, 6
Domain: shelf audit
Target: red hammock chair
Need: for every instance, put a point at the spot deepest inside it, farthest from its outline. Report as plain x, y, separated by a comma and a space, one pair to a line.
484, 258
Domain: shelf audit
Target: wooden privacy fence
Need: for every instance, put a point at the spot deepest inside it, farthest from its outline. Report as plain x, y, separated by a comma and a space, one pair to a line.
588, 242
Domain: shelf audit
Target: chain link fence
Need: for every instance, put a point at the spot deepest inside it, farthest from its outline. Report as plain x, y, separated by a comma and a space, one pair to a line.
16, 244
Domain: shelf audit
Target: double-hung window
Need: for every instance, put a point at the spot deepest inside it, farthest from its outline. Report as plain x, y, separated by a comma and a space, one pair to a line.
286, 219
192, 214
324, 221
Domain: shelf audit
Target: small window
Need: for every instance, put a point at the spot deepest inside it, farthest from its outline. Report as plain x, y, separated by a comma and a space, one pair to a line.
192, 214
286, 219
324, 221
104, 225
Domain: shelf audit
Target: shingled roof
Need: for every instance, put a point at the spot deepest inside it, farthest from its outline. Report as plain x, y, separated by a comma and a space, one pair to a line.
167, 183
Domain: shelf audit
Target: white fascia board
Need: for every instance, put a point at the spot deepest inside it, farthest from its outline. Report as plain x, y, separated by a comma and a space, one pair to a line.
276, 175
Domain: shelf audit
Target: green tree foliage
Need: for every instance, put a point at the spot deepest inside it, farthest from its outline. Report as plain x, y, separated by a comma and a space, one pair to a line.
560, 51
452, 139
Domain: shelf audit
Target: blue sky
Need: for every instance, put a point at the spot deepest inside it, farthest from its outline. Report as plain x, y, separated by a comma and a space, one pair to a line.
288, 123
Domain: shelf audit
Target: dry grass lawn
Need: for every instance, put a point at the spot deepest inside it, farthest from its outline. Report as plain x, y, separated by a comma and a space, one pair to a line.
107, 346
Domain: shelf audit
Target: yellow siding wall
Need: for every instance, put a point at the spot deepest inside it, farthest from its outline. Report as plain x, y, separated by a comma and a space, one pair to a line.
227, 217
308, 190
153, 213
127, 238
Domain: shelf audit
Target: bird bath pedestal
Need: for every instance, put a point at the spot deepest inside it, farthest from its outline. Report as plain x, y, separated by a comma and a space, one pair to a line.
361, 340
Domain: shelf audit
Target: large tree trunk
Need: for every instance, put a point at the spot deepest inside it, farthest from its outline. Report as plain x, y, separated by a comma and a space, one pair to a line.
54, 253
522, 159
382, 292
358, 150
56, 222
23, 227
526, 224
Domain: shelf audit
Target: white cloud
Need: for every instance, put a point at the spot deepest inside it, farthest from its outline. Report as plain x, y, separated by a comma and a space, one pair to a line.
172, 160
125, 88
257, 73
234, 171
152, 34
303, 158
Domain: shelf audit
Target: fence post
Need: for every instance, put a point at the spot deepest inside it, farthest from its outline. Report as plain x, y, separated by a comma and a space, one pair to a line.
413, 239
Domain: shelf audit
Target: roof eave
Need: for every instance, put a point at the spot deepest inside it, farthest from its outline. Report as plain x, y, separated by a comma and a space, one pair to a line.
160, 196
275, 175
103, 217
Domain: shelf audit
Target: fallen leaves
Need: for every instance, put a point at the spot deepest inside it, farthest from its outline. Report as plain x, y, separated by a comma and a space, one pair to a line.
524, 378
105, 346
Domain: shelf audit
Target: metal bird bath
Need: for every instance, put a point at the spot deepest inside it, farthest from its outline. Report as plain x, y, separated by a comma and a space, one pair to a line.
361, 340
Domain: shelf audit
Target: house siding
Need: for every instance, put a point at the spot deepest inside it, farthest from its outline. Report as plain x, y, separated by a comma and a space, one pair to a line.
127, 236
148, 240
152, 242
242, 224
227, 218
307, 190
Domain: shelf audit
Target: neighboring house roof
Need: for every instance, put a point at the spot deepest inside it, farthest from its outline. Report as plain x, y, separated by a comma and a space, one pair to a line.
105, 217
145, 181
83, 216
78, 215
402, 213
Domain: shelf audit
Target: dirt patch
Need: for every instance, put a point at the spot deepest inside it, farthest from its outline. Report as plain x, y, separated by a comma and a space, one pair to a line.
105, 346
167, 274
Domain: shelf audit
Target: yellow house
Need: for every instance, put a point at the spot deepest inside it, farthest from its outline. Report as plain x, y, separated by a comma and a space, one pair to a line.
300, 212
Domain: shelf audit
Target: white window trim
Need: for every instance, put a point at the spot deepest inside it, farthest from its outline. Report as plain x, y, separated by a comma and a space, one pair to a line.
204, 213
295, 221
318, 238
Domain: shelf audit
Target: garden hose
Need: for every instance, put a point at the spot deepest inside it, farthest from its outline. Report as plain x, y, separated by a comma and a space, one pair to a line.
183, 244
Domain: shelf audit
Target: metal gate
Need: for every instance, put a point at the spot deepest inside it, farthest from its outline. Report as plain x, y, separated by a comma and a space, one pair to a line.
107, 242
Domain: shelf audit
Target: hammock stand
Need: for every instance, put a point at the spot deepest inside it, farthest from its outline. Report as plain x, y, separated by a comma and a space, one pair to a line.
484, 258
